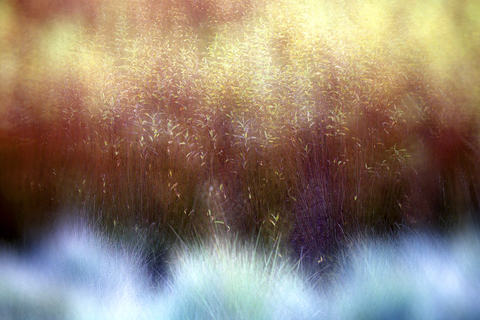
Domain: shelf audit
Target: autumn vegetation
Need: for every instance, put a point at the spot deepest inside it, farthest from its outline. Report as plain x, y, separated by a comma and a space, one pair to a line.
298, 124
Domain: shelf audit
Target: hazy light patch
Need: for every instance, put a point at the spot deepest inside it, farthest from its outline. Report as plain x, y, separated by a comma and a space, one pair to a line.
57, 44
7, 20
9, 60
376, 18
431, 24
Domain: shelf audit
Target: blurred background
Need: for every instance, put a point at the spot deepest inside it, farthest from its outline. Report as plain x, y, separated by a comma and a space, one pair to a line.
297, 123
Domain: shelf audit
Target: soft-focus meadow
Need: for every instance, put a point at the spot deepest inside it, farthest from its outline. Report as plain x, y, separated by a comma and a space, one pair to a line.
295, 125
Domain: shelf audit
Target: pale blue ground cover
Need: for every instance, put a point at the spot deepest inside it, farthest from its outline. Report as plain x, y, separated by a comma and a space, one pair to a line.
412, 278
77, 274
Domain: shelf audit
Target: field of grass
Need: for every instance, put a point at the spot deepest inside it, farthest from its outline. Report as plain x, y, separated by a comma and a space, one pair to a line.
297, 123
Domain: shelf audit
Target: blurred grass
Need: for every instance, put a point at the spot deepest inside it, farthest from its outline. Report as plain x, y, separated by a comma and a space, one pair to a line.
307, 120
